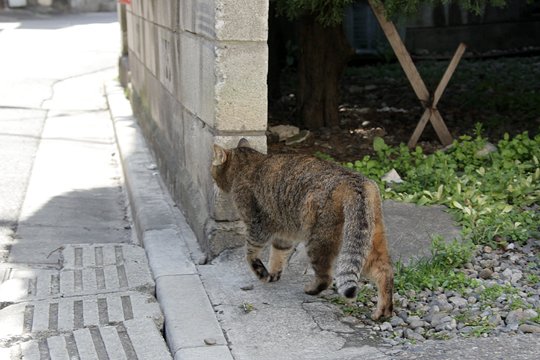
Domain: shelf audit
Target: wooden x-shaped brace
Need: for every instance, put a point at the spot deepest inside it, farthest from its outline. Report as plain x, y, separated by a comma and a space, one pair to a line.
430, 104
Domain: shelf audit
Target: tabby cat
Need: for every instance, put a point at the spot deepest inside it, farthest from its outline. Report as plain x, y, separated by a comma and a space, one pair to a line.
337, 213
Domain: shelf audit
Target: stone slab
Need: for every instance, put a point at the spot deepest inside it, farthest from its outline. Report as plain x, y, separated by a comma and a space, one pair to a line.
133, 339
34, 318
410, 228
189, 315
167, 253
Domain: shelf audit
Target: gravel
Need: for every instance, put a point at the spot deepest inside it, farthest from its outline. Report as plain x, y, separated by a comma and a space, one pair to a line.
505, 300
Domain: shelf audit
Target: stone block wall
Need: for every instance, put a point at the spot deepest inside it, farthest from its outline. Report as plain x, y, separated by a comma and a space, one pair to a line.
198, 73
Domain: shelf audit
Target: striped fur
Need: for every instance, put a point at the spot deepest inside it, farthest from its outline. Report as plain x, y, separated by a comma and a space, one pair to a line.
336, 212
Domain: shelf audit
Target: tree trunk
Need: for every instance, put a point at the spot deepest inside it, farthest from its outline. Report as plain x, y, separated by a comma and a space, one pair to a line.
324, 53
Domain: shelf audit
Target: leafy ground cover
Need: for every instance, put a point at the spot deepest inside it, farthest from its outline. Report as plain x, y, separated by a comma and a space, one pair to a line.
494, 196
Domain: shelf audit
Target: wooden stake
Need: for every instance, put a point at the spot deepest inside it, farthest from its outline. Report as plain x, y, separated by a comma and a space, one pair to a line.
430, 105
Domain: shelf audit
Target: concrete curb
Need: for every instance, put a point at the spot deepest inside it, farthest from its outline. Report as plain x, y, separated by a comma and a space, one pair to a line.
165, 235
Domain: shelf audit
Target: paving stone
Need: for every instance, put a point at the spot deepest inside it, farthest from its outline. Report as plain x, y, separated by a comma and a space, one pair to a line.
134, 339
19, 283
64, 314
78, 256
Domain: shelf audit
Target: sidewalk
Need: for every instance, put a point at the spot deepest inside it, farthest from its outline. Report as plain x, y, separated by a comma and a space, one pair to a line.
74, 284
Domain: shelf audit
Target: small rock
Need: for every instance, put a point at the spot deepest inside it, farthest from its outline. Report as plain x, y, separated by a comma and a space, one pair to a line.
247, 287
510, 246
440, 319
403, 314
472, 300
445, 306
494, 320
386, 326
529, 328
529, 314
284, 131
485, 274
487, 249
298, 138
210, 341
412, 318
351, 320
458, 301
396, 321
514, 317
392, 177
411, 335
507, 274
516, 276
416, 324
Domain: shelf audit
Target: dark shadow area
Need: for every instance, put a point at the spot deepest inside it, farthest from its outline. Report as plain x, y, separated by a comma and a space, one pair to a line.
98, 215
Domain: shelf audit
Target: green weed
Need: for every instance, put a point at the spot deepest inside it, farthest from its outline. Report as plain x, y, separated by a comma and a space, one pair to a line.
437, 271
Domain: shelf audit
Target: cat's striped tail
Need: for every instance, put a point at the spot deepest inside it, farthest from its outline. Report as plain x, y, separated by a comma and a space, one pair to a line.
361, 212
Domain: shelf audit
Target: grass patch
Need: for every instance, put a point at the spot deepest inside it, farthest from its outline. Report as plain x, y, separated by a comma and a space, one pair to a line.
437, 271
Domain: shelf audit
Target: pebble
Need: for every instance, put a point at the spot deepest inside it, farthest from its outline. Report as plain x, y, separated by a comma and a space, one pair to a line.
486, 274
458, 301
529, 329
411, 335
210, 341
396, 321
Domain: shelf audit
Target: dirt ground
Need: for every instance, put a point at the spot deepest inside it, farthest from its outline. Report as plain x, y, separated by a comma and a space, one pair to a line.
502, 94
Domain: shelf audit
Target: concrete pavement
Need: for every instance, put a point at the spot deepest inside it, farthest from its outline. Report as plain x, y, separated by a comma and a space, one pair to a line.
74, 284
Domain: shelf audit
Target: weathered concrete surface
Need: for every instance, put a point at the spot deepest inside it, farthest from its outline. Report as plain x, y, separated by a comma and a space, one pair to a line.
410, 228
68, 197
278, 320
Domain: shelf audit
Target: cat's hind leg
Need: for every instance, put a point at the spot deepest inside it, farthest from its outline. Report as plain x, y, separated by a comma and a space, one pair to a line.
378, 268
258, 237
279, 255
322, 252
253, 252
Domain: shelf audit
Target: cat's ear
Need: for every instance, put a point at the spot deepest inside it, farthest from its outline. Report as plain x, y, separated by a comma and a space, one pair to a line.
220, 155
244, 143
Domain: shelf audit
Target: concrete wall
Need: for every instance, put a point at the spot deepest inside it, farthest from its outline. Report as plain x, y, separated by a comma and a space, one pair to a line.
198, 72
